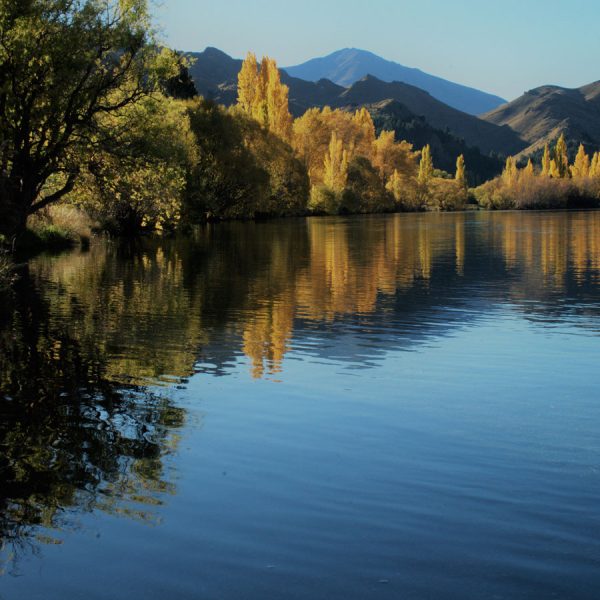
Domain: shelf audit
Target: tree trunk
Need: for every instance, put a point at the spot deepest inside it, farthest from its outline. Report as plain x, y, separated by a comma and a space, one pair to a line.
15, 203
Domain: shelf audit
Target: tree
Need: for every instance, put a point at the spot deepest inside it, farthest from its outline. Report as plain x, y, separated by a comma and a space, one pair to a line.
248, 83
581, 166
425, 166
181, 85
336, 165
561, 158
63, 64
142, 184
509, 175
262, 95
461, 177
546, 161
595, 166
529, 170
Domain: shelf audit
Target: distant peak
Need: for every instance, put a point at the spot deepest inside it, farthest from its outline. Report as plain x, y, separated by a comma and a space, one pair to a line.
210, 50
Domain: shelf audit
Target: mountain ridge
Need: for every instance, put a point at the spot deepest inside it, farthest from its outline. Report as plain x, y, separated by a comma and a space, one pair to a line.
542, 114
347, 66
369, 90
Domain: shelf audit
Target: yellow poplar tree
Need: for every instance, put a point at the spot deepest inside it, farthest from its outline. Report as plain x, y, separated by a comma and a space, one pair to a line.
546, 161
248, 83
461, 176
336, 165
426, 165
561, 158
364, 122
277, 99
509, 174
595, 166
262, 95
529, 170
581, 166
394, 185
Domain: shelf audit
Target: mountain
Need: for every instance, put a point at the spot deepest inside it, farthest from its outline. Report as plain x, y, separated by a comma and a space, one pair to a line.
542, 114
475, 132
392, 115
215, 76
346, 67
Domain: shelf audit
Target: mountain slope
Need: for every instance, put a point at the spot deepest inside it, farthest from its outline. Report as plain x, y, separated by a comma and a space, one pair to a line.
476, 132
392, 115
542, 114
348, 66
215, 76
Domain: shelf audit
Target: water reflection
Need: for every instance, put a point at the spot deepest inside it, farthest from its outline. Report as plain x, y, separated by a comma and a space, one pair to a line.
90, 337
71, 439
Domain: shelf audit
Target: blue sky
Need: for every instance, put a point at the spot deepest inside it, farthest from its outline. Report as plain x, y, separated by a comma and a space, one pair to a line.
501, 47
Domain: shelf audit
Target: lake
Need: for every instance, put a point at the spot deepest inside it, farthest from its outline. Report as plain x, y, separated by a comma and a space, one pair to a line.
401, 406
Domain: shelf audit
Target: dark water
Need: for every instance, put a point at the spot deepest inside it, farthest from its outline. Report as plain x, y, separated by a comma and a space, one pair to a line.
386, 407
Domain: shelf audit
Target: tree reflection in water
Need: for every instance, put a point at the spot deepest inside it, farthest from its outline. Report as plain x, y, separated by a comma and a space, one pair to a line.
70, 439
88, 339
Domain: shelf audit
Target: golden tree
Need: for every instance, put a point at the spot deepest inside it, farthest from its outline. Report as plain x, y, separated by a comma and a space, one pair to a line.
262, 95
529, 171
461, 176
248, 83
595, 166
509, 175
425, 166
546, 161
336, 165
561, 158
581, 166
363, 121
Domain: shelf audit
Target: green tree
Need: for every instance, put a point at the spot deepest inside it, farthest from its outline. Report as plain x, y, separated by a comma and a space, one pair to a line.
63, 64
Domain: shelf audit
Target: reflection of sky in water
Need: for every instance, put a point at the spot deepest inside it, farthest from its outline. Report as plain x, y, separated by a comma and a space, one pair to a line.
406, 407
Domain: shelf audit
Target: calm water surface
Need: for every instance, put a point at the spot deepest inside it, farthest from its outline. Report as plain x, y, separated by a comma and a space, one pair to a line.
381, 407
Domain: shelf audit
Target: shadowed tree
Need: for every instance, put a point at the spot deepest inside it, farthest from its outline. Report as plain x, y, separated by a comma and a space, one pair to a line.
63, 65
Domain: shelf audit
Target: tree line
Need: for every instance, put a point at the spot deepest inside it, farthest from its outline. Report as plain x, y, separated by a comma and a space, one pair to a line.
97, 116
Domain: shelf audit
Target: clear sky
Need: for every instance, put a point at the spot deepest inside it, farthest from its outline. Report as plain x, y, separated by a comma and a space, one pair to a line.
502, 47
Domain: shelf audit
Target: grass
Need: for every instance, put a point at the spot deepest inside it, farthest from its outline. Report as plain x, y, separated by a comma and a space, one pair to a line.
7, 273
56, 228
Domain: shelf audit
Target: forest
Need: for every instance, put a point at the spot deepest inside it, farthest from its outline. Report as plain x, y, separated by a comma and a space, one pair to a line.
101, 129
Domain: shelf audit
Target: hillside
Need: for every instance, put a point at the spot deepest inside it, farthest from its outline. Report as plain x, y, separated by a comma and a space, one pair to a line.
542, 114
346, 67
215, 75
391, 115
475, 132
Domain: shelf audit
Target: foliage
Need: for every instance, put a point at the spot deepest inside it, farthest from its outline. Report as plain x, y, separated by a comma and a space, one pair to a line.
7, 274
141, 183
262, 96
365, 190
556, 185
66, 65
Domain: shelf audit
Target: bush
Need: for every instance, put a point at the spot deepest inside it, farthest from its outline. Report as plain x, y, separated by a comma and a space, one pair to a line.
59, 226
537, 192
324, 201
446, 194
7, 274
365, 191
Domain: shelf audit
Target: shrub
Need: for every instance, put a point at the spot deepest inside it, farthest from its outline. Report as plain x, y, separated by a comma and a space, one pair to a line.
324, 201
58, 226
7, 274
